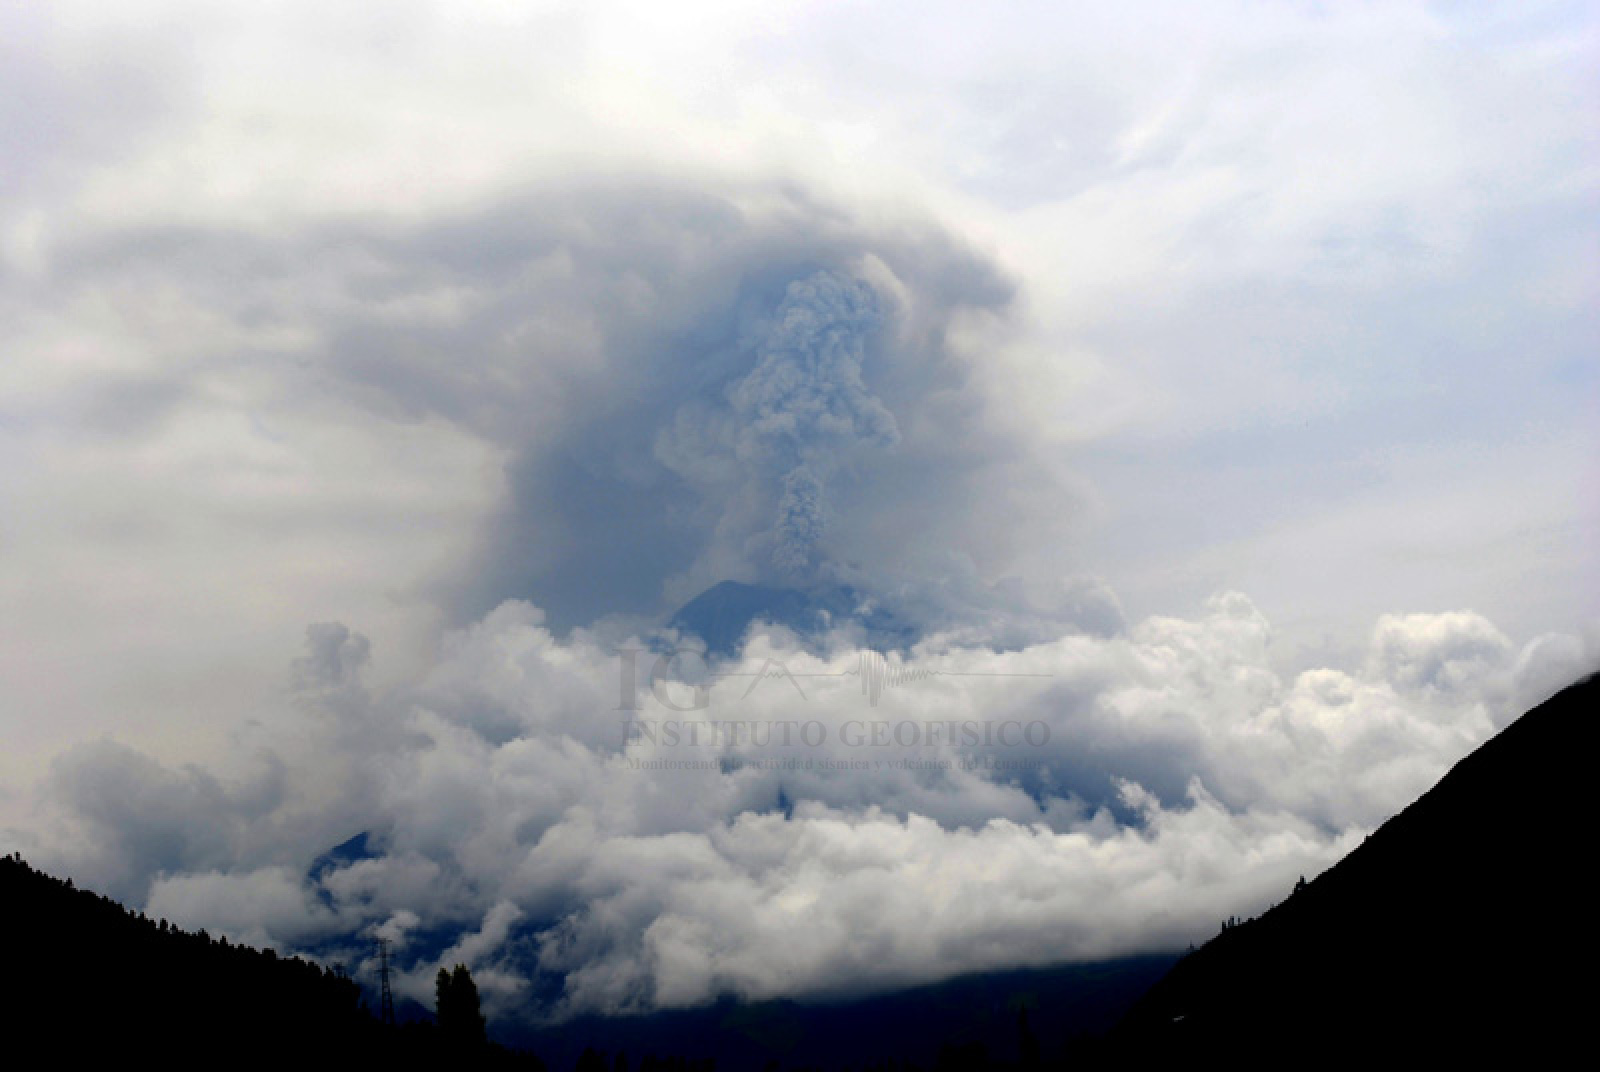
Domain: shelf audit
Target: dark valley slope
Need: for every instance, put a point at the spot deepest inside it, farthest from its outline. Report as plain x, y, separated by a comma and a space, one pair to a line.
1459, 930
88, 983
989, 1020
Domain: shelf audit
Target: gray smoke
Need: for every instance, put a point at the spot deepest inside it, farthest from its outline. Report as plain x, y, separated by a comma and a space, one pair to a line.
805, 413
801, 521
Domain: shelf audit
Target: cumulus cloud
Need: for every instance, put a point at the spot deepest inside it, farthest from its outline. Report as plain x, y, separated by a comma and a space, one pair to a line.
334, 657
1028, 332
1437, 653
270, 906
831, 903
118, 817
588, 856
1186, 309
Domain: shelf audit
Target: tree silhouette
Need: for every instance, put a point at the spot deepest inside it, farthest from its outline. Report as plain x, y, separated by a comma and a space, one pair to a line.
1027, 1041
461, 1020
444, 997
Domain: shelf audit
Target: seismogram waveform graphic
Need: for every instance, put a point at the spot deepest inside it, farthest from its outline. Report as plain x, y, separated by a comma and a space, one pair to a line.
878, 674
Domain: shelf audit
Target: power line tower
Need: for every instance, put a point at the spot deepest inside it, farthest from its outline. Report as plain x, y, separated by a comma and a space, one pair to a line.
386, 995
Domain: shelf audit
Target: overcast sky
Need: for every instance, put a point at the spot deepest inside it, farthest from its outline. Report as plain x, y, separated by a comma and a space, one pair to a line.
372, 372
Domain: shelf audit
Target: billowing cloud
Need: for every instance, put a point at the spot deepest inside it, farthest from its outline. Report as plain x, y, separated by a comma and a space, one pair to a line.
496, 335
262, 907
391, 318
1079, 797
670, 377
129, 818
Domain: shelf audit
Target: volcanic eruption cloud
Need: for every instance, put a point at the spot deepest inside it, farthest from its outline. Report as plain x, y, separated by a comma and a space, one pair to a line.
804, 411
1167, 439
807, 425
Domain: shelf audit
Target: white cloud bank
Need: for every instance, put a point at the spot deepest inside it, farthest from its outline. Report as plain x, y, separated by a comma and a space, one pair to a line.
1177, 779
389, 316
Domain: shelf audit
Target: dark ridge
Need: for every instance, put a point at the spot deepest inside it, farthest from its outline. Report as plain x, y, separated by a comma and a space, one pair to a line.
1457, 931
970, 1021
88, 982
356, 849
722, 614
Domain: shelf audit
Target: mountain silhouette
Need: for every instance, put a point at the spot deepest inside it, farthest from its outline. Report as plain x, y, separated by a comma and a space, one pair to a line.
1457, 931
362, 846
925, 1027
722, 615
